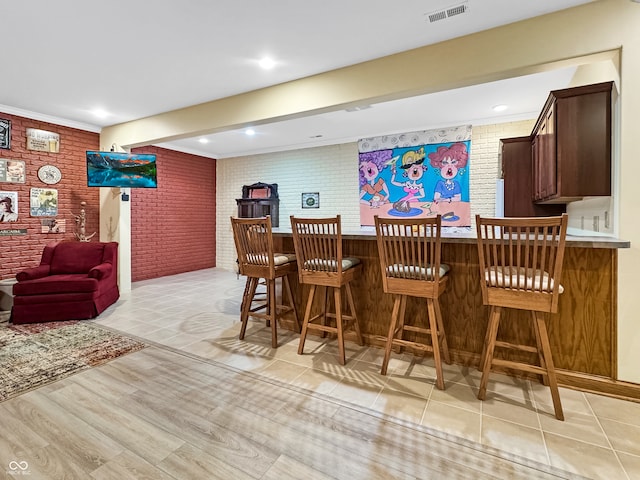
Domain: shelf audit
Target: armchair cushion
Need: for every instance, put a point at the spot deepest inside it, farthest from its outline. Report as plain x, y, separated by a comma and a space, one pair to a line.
76, 257
70, 283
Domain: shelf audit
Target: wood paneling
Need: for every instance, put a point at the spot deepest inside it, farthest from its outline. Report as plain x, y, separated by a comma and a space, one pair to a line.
582, 334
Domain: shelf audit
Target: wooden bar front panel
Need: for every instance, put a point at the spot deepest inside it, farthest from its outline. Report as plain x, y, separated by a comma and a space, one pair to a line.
581, 334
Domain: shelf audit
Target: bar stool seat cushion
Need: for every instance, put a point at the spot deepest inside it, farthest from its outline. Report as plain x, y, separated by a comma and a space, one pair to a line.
520, 278
278, 259
282, 258
330, 265
416, 272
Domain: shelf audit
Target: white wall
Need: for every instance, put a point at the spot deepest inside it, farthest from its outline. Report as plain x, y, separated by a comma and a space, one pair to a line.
333, 171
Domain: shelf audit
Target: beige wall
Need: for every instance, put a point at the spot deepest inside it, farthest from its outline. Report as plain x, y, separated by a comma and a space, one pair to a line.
593, 32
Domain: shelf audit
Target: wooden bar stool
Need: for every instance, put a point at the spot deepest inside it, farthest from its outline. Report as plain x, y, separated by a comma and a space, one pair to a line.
318, 246
520, 267
409, 251
257, 260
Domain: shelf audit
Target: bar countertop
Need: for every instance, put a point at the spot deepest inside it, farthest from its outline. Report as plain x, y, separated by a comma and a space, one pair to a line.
468, 236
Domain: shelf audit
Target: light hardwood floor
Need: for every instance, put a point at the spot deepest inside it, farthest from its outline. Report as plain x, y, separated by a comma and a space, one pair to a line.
198, 403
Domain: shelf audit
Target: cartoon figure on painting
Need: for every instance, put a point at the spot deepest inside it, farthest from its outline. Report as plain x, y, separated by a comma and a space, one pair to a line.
412, 164
449, 160
371, 184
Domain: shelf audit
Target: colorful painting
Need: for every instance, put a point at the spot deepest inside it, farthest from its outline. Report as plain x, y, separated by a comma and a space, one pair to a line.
418, 174
43, 202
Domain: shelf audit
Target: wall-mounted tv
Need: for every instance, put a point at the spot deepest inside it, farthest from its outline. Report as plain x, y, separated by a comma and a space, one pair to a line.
116, 169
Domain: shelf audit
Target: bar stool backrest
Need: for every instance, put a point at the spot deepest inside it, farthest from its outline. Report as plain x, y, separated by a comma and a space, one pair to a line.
318, 246
409, 251
254, 245
521, 261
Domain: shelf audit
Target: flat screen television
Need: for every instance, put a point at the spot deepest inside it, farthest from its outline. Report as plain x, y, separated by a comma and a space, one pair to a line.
116, 169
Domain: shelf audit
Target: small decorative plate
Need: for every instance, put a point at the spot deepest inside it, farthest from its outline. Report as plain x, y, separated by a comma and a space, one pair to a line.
49, 174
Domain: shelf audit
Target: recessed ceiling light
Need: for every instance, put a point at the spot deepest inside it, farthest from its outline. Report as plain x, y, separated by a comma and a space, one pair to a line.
250, 131
204, 140
267, 63
357, 108
499, 108
100, 113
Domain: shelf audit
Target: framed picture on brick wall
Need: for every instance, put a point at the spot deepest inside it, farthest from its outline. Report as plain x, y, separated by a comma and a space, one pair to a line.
5, 133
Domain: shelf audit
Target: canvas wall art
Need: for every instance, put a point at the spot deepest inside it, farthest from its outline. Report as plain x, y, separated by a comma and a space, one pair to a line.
416, 174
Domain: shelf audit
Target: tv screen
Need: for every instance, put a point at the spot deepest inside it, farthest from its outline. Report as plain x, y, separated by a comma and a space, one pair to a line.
116, 169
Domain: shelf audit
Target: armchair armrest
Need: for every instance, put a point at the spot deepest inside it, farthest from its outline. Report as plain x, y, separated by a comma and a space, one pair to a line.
101, 271
33, 273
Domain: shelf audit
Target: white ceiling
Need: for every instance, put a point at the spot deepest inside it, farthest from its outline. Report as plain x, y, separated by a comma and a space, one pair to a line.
132, 58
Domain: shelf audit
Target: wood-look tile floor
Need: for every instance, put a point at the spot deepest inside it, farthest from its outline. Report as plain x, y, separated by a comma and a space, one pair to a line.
161, 414
200, 403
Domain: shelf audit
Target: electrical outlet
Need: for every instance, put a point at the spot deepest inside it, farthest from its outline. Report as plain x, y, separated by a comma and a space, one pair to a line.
582, 223
606, 219
596, 223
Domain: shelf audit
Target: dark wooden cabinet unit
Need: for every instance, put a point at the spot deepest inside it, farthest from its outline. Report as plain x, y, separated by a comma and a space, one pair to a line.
518, 181
571, 145
567, 156
260, 200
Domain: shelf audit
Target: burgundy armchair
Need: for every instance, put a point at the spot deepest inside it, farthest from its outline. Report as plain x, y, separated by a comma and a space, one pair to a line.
74, 281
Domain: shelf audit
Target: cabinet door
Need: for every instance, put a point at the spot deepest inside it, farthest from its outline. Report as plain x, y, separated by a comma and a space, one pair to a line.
584, 145
544, 157
535, 168
518, 180
516, 172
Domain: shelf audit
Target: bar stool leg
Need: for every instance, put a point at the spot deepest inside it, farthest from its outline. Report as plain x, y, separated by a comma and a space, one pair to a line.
287, 287
492, 333
391, 334
435, 344
305, 323
352, 308
339, 324
441, 332
325, 313
544, 378
272, 309
483, 355
399, 333
245, 296
250, 291
551, 373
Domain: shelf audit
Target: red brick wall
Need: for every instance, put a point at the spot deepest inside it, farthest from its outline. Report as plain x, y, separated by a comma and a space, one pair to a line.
20, 251
173, 227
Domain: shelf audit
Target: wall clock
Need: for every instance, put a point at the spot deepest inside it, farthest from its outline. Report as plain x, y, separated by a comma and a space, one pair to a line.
49, 174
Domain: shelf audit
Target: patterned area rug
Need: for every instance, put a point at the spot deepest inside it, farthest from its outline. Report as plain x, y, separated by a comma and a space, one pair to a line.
40, 353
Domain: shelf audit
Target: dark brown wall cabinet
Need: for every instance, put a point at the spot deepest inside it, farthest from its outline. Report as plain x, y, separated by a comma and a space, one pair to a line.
567, 157
518, 181
571, 145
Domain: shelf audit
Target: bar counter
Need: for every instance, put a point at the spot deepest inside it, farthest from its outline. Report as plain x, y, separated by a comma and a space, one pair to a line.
582, 334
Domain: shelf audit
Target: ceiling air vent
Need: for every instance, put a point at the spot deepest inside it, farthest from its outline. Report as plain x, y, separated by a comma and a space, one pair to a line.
447, 12
434, 17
